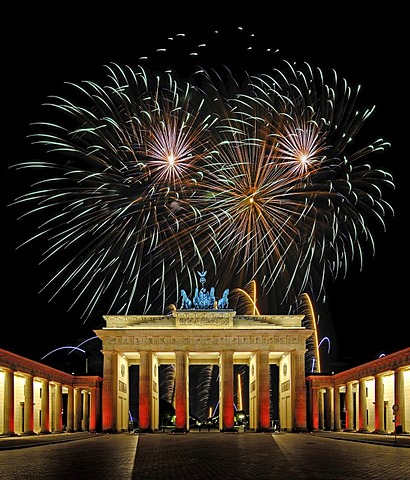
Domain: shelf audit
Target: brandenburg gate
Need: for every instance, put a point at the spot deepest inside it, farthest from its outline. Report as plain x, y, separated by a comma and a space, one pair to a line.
206, 336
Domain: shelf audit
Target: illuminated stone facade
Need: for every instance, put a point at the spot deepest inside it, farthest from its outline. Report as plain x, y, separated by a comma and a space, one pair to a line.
204, 337
374, 397
37, 399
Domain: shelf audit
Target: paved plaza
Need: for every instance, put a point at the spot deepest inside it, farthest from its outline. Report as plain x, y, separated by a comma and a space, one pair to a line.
204, 455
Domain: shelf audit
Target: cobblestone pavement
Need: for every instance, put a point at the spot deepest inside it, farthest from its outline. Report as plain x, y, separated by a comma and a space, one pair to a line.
210, 456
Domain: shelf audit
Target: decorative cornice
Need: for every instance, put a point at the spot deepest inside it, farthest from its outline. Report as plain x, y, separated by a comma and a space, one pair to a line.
212, 319
388, 363
25, 366
205, 339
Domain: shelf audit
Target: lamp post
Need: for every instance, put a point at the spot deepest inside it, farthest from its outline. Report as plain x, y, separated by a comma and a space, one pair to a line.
395, 408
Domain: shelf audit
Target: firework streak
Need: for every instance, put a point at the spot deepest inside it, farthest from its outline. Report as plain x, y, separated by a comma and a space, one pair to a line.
252, 177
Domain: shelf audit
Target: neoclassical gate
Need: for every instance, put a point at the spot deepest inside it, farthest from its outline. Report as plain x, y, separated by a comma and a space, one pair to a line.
215, 336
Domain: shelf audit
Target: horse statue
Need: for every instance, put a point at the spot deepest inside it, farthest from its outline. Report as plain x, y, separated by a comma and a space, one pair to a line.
211, 298
196, 300
186, 302
223, 301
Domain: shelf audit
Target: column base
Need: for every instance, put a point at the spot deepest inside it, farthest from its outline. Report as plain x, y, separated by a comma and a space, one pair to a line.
264, 429
229, 430
381, 431
28, 434
180, 430
145, 430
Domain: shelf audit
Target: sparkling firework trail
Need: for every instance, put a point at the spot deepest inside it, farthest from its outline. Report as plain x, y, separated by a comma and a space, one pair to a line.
253, 178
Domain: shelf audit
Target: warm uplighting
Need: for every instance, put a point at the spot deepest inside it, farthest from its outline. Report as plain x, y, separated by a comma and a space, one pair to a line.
240, 402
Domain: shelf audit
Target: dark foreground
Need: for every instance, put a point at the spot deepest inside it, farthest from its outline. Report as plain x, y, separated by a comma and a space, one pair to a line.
210, 456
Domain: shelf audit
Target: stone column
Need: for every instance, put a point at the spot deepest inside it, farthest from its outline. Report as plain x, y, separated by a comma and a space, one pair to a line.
400, 398
8, 406
329, 408
58, 407
321, 409
315, 408
363, 426
93, 409
145, 385
337, 426
28, 428
379, 404
77, 410
181, 413
264, 392
299, 390
45, 406
70, 409
86, 411
226, 379
109, 391
349, 407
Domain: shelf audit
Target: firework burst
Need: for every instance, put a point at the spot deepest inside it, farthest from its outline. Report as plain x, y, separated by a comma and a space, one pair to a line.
252, 179
293, 197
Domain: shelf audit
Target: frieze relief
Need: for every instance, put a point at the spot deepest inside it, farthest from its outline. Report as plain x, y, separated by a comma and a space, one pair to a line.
285, 386
195, 341
201, 321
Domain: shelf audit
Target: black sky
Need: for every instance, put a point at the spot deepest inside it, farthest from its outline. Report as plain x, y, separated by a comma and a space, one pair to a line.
367, 309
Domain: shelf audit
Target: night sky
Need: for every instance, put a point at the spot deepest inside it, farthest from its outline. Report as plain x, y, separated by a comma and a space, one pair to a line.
366, 310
